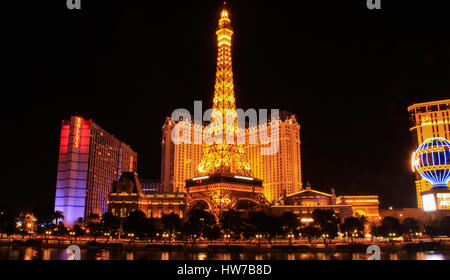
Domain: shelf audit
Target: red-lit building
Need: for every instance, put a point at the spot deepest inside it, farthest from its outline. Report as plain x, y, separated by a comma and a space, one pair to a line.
90, 159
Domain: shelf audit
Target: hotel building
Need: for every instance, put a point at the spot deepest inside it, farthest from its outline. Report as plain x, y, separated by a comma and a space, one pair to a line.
280, 173
304, 202
128, 195
90, 159
428, 120
179, 162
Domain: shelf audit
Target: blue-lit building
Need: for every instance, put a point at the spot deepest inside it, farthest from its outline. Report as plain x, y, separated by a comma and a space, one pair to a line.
90, 160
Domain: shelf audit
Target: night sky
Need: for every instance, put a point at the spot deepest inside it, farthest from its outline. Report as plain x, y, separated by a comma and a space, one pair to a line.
348, 73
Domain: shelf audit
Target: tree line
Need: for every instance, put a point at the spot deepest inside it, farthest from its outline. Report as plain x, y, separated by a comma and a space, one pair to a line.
324, 224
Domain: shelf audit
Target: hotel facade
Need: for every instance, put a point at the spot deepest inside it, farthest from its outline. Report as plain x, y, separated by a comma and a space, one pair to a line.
304, 202
428, 120
90, 160
280, 173
128, 195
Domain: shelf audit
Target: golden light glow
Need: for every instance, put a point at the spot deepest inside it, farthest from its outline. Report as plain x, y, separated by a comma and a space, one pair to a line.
222, 199
221, 157
436, 167
429, 124
77, 132
414, 161
362, 200
426, 120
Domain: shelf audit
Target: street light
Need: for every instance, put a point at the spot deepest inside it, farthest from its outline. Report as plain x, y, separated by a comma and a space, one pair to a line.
259, 236
131, 235
391, 235
290, 236
165, 237
227, 236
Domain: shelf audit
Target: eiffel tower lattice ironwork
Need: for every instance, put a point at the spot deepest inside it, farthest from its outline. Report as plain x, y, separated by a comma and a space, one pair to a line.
224, 158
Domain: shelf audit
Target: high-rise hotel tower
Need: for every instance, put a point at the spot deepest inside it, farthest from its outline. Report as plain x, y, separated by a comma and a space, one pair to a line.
428, 120
90, 159
280, 173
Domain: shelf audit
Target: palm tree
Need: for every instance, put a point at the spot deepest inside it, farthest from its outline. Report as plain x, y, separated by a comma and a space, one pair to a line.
58, 215
79, 221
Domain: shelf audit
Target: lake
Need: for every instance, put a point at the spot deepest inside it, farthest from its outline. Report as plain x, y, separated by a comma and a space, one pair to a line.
34, 253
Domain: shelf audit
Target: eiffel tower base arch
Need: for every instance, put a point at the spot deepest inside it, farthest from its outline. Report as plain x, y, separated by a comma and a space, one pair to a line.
218, 193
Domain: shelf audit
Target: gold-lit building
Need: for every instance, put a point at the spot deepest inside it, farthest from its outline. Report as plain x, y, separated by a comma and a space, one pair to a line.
127, 195
179, 162
304, 202
428, 120
280, 172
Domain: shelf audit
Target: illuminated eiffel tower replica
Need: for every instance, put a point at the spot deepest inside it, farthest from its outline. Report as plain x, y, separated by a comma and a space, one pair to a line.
224, 178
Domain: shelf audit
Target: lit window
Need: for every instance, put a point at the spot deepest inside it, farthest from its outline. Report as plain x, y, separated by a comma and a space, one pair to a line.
123, 212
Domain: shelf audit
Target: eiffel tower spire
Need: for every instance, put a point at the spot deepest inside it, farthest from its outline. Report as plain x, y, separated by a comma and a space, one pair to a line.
224, 158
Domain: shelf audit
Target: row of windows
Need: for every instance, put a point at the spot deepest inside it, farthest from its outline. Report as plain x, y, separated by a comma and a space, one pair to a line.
123, 213
433, 108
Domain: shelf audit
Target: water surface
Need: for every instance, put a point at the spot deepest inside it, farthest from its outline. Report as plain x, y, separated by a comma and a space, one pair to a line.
34, 253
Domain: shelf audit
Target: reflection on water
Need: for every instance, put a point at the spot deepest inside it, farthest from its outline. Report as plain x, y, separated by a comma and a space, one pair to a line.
435, 256
129, 256
32, 253
393, 257
165, 256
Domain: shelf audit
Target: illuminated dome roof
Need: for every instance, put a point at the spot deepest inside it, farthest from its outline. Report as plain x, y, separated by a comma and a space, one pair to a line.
432, 161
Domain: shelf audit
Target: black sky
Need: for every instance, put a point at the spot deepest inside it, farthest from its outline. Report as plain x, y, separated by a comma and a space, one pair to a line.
347, 72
